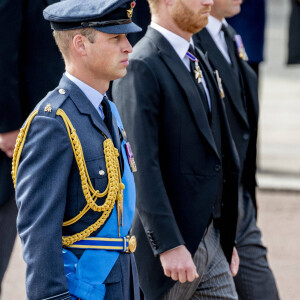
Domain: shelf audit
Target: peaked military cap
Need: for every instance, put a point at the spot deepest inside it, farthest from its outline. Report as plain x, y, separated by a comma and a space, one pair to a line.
109, 16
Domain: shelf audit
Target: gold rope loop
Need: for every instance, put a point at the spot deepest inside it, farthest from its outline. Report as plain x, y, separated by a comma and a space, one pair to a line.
19, 146
113, 191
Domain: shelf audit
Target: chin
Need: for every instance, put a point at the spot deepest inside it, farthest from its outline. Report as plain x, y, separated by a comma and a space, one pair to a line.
236, 10
120, 74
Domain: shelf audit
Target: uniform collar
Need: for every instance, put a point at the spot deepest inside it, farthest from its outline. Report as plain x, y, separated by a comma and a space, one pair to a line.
93, 95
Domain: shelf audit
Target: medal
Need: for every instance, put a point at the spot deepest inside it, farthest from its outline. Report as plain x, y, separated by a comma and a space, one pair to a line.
130, 157
198, 72
219, 81
240, 47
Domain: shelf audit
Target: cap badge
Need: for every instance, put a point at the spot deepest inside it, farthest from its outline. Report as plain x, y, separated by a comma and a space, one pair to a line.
130, 11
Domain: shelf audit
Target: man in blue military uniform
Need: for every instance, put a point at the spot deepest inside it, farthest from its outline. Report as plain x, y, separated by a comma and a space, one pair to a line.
72, 165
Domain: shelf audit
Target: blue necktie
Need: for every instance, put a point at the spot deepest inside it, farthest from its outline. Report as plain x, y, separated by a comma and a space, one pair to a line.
100, 107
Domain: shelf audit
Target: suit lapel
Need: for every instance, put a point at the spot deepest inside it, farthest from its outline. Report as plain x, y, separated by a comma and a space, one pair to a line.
250, 78
83, 104
205, 41
182, 76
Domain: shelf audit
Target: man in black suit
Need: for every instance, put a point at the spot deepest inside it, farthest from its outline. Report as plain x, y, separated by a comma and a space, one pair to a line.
294, 37
30, 66
254, 280
187, 162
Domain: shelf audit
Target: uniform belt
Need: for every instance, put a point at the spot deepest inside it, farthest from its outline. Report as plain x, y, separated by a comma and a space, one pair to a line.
125, 244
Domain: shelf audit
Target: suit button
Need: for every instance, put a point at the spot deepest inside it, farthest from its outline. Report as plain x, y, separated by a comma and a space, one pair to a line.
101, 172
246, 136
217, 168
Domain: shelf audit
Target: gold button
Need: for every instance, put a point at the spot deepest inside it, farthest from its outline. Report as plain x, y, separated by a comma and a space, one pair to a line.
101, 172
132, 244
62, 91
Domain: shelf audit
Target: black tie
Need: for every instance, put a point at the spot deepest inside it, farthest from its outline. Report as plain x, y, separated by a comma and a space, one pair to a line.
107, 115
199, 85
231, 47
108, 120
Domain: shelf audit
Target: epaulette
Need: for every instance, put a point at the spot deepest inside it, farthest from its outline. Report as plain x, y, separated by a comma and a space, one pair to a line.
52, 102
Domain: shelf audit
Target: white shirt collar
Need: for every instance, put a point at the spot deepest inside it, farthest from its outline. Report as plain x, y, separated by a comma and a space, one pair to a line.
214, 29
93, 95
179, 44
214, 25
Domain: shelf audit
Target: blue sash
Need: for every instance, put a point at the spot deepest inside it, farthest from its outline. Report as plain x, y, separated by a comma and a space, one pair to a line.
85, 276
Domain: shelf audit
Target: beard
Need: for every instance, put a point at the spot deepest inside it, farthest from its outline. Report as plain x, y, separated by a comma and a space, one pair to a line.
187, 19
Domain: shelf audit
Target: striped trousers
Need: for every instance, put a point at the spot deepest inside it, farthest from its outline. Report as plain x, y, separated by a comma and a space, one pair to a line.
215, 280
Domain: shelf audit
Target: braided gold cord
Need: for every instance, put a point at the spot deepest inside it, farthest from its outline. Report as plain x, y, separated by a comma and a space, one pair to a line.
19, 146
113, 191
114, 185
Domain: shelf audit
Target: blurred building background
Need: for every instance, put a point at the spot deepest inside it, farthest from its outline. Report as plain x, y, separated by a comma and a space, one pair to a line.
279, 142
279, 163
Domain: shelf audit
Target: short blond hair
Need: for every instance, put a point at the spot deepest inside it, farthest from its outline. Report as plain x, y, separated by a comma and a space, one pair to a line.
63, 38
153, 4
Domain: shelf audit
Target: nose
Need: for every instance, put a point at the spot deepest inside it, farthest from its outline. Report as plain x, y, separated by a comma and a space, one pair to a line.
127, 46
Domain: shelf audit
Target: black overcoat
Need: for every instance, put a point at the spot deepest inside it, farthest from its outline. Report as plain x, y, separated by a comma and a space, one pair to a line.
30, 66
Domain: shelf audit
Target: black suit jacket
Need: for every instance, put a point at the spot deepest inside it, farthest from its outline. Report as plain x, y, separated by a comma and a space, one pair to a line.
294, 38
179, 166
30, 65
243, 122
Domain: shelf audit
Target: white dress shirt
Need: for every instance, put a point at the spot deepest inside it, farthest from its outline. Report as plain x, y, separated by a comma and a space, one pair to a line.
181, 46
214, 28
93, 95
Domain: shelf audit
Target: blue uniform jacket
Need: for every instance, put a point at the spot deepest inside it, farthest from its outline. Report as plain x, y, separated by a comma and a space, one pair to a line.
48, 192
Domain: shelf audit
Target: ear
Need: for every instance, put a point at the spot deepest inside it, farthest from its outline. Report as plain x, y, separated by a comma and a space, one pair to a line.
78, 43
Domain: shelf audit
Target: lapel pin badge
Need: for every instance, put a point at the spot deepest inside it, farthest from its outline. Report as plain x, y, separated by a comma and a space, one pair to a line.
219, 81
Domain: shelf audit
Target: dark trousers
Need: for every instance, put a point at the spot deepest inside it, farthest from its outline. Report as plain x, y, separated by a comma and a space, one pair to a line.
8, 231
254, 280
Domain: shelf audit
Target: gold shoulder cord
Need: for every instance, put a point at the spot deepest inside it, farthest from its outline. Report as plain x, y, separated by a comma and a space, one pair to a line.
114, 189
